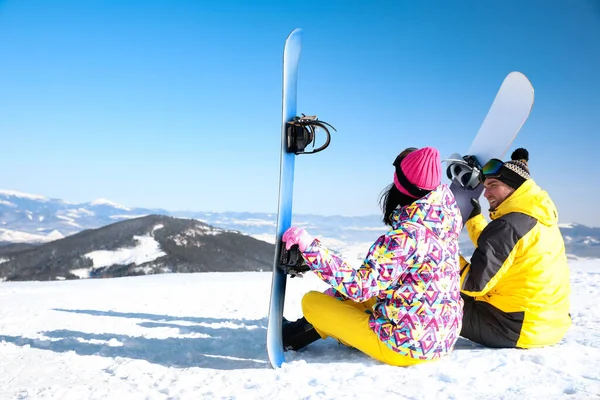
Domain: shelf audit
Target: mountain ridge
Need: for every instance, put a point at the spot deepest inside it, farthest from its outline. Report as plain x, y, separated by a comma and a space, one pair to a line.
140, 246
31, 214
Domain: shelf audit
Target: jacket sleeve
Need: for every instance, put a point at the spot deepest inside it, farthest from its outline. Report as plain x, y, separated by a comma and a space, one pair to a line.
382, 267
495, 253
475, 226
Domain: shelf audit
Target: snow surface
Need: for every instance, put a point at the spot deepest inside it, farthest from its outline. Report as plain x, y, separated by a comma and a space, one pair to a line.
54, 235
127, 216
146, 250
14, 193
567, 225
202, 336
7, 203
7, 235
78, 212
69, 221
104, 202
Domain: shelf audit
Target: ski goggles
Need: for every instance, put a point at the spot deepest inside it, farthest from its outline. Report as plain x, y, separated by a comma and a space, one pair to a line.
491, 169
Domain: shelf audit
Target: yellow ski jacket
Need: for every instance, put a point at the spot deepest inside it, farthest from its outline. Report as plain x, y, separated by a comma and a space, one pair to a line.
520, 268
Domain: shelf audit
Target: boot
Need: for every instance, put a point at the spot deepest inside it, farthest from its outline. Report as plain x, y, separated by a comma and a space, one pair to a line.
298, 334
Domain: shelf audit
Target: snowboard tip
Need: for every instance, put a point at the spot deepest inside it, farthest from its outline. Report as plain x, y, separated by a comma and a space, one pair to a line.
296, 33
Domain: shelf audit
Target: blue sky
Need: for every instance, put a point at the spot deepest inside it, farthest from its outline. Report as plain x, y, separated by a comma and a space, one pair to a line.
177, 104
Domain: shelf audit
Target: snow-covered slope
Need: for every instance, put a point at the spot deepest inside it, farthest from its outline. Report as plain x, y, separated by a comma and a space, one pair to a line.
202, 336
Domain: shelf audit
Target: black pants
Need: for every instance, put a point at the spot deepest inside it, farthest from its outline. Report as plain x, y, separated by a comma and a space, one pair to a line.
485, 324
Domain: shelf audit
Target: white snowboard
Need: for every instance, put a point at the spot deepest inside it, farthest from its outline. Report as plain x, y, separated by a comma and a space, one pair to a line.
508, 113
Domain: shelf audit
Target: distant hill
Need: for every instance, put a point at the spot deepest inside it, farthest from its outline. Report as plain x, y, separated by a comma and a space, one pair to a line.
581, 241
139, 246
29, 221
30, 218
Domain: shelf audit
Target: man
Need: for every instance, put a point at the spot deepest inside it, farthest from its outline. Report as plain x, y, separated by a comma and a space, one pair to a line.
516, 288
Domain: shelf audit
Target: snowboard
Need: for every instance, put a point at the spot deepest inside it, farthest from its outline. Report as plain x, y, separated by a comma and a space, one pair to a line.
297, 134
508, 113
291, 57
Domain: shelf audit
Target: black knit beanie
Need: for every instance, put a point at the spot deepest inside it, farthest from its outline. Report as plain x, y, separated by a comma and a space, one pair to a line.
515, 172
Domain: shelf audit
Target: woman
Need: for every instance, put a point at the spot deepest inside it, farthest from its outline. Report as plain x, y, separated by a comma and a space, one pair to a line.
403, 305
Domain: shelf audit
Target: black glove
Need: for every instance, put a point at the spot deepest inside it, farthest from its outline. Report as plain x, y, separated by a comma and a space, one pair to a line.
476, 208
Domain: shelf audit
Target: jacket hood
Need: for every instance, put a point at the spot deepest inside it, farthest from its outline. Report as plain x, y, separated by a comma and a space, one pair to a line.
529, 199
437, 211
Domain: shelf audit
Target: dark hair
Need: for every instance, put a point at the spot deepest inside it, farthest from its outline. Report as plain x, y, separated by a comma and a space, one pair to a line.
391, 197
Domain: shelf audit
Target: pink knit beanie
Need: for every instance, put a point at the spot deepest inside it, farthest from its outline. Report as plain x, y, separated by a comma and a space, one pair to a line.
419, 172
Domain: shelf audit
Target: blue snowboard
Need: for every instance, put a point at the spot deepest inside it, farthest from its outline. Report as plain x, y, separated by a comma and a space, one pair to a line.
291, 56
509, 111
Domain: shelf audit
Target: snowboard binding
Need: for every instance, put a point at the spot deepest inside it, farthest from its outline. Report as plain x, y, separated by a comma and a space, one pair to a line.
292, 262
464, 170
301, 132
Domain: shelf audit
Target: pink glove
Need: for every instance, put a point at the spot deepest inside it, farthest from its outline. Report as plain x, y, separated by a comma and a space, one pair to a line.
295, 235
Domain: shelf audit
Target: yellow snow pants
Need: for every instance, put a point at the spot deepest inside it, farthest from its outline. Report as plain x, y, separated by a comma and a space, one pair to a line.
348, 322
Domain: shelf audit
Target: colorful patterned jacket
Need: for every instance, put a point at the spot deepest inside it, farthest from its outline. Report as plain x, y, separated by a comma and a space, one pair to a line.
413, 271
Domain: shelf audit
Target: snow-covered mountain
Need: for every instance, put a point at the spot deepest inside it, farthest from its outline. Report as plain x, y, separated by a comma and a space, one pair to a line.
27, 218
32, 218
140, 246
